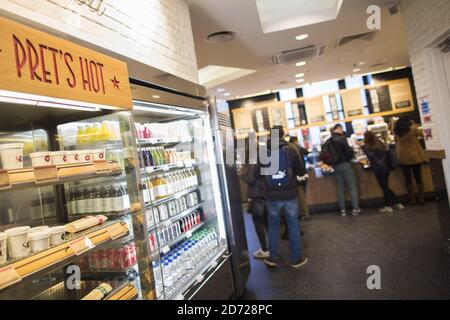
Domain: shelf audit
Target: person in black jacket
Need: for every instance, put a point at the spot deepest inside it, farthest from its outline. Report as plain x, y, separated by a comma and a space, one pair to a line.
257, 204
343, 170
378, 153
281, 195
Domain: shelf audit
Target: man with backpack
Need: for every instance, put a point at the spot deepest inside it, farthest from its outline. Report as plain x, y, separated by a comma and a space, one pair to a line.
337, 153
281, 195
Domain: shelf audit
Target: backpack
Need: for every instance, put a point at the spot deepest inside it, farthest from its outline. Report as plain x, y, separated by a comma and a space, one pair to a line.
330, 154
283, 177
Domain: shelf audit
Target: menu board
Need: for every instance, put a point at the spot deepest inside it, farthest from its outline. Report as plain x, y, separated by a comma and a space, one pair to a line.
353, 103
379, 99
261, 120
278, 115
315, 110
401, 95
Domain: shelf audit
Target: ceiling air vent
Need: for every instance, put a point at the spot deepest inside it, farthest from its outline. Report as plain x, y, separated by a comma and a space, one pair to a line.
301, 54
366, 36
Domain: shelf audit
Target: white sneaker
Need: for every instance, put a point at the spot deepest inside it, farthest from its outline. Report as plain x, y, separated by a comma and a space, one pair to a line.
399, 206
343, 213
386, 210
261, 254
356, 212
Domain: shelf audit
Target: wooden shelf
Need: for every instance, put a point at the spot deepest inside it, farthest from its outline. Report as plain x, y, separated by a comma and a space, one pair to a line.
127, 291
27, 178
43, 262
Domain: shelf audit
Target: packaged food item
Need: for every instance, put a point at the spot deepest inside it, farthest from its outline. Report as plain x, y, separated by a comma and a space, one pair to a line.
3, 248
57, 235
41, 159
59, 158
99, 293
86, 156
99, 154
73, 157
39, 241
85, 223
39, 229
12, 156
17, 241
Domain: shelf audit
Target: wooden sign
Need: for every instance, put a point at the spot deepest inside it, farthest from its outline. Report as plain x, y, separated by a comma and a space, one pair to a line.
34, 62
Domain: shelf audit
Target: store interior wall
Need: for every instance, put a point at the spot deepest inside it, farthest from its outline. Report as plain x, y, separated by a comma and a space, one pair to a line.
157, 33
425, 23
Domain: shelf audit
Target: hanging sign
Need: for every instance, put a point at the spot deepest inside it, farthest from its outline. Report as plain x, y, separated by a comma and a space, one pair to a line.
35, 62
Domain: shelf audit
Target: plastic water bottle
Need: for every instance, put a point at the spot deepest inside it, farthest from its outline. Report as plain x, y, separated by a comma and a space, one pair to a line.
168, 275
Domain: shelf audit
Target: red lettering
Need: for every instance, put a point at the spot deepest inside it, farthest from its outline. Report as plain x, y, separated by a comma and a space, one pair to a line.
45, 73
72, 83
20, 62
55, 63
86, 79
101, 76
95, 82
33, 64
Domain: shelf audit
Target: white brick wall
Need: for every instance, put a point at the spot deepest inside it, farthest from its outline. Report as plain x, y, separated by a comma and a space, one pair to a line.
155, 32
424, 22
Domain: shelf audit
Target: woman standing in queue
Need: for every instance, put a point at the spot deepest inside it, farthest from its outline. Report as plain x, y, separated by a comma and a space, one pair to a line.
378, 154
411, 156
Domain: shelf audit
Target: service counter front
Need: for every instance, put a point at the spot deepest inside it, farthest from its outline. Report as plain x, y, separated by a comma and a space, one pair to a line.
322, 188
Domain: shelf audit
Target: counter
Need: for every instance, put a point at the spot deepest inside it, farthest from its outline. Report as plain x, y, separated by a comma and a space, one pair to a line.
322, 190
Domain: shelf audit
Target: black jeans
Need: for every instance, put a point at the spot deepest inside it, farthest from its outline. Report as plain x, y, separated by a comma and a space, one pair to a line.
409, 171
390, 197
257, 208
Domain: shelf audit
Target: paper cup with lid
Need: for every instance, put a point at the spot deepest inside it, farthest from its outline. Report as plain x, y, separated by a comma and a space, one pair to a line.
39, 240
41, 159
99, 154
86, 156
57, 235
12, 155
3, 248
39, 229
17, 242
59, 158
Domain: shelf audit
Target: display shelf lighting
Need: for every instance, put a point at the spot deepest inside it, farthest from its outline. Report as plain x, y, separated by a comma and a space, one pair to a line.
49, 102
162, 109
302, 37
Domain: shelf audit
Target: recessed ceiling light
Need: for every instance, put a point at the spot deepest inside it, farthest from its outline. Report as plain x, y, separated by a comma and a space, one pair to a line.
300, 64
221, 36
299, 75
156, 96
227, 94
357, 70
362, 63
302, 36
220, 90
300, 80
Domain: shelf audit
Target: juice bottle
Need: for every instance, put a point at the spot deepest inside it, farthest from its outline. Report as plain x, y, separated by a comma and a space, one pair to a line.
160, 185
104, 134
151, 190
169, 185
81, 135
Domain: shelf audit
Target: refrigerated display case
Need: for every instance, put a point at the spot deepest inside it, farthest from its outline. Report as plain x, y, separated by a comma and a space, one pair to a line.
181, 190
71, 221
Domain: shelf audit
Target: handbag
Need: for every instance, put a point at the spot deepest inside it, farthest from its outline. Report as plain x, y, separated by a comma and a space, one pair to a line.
391, 159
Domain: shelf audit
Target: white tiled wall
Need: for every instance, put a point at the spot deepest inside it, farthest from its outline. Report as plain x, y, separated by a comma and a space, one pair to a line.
155, 32
425, 20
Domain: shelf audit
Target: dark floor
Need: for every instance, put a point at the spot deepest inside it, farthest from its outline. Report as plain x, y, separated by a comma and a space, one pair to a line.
405, 245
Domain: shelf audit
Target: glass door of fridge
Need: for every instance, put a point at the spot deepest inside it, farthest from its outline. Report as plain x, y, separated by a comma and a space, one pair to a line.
180, 188
70, 209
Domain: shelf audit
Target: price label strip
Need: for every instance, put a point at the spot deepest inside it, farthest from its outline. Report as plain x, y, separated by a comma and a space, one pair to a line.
165, 168
179, 297
4, 180
116, 231
80, 246
189, 234
8, 276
